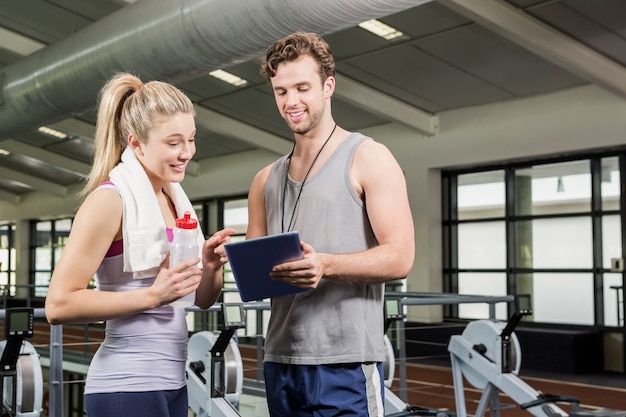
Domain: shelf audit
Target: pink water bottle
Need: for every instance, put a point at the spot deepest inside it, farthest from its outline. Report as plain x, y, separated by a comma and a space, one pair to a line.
184, 246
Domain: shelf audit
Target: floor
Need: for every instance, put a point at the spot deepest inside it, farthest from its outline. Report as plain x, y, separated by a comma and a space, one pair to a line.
430, 388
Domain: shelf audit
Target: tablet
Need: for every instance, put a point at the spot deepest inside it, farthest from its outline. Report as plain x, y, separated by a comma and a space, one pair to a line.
252, 260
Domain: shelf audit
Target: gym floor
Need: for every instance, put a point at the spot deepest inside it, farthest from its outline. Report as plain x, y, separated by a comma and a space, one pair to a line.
431, 387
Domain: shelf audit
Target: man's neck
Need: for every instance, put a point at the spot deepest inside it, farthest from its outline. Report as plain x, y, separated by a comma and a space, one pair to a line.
309, 144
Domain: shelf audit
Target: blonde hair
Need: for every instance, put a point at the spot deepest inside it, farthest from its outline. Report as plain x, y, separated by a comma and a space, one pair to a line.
128, 106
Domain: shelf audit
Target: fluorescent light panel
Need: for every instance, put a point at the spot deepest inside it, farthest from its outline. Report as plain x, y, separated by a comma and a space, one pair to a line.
381, 29
17, 43
52, 132
229, 78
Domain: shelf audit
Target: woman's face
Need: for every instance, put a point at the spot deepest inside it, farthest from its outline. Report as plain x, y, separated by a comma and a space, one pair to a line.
169, 148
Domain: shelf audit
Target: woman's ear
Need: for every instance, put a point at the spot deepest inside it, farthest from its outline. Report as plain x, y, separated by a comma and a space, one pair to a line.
135, 144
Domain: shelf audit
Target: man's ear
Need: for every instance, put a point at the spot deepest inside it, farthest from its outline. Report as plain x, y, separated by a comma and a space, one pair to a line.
329, 86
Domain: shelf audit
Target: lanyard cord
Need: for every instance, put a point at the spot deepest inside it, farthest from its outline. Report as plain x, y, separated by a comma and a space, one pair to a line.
295, 206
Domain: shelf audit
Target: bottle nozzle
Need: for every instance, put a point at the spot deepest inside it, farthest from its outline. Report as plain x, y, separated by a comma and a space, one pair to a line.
186, 222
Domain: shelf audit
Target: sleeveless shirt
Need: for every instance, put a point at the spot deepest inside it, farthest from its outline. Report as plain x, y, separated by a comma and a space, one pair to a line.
337, 322
146, 351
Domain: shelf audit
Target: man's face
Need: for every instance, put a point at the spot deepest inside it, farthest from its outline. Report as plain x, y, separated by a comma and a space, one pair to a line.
300, 93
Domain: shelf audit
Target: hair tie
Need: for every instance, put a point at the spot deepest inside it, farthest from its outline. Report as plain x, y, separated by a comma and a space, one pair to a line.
138, 86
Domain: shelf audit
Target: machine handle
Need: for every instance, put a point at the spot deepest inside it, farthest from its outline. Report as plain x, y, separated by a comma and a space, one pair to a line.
549, 398
198, 368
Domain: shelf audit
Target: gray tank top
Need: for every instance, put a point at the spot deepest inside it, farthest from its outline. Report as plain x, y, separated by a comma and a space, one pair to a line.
337, 322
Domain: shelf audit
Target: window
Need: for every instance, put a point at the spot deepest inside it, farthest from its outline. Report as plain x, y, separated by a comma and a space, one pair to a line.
7, 260
550, 229
219, 213
48, 239
235, 216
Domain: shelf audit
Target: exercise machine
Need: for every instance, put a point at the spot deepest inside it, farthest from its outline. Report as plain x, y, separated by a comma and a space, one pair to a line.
394, 405
215, 368
488, 355
21, 380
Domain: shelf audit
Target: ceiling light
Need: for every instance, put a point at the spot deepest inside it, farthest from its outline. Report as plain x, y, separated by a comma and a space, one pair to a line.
378, 28
4, 152
52, 132
14, 42
228, 78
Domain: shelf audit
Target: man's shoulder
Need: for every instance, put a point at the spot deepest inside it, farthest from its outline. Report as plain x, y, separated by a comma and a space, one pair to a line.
262, 176
368, 144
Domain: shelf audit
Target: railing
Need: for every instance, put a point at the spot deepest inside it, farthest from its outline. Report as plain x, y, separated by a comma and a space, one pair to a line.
423, 299
10, 292
406, 299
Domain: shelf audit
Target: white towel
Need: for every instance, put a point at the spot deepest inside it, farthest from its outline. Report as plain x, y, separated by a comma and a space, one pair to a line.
143, 227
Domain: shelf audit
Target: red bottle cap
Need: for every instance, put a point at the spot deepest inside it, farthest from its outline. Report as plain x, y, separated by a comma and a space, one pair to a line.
186, 222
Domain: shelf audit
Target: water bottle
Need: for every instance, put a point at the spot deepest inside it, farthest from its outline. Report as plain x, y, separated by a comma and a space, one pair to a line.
184, 246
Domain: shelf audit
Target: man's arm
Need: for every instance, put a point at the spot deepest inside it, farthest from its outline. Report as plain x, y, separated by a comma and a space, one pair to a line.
257, 225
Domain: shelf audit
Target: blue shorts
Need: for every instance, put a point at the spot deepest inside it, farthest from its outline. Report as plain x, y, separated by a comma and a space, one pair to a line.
138, 404
351, 389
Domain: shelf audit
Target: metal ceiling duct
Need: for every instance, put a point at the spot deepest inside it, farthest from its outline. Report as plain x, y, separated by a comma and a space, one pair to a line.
162, 39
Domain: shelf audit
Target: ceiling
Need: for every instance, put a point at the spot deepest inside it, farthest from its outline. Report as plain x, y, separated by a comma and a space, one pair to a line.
453, 54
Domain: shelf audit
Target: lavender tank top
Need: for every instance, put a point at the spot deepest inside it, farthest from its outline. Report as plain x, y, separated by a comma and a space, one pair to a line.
143, 352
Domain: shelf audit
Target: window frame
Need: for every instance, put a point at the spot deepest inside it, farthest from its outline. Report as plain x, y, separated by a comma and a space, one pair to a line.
596, 212
56, 244
9, 253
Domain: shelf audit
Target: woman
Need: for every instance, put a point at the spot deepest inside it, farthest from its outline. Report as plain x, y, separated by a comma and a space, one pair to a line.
143, 142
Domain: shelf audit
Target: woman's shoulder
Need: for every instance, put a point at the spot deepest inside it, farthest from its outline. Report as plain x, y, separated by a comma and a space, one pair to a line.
103, 202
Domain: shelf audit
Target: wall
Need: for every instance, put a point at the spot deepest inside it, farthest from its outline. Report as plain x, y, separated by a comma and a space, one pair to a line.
562, 122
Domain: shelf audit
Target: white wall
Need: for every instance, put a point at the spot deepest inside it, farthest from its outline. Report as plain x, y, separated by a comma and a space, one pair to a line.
572, 120
576, 119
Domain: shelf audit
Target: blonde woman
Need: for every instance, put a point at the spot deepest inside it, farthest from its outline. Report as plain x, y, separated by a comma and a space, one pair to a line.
143, 142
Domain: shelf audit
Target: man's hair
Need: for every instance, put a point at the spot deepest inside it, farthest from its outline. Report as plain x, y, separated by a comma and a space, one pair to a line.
297, 45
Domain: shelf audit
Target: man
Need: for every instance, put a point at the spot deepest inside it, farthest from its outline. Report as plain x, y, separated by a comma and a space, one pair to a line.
346, 196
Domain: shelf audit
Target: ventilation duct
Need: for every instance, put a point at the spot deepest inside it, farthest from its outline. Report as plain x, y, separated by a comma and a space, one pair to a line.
166, 40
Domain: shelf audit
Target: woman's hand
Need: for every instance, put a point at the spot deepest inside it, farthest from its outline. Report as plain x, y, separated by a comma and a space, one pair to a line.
213, 252
176, 282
